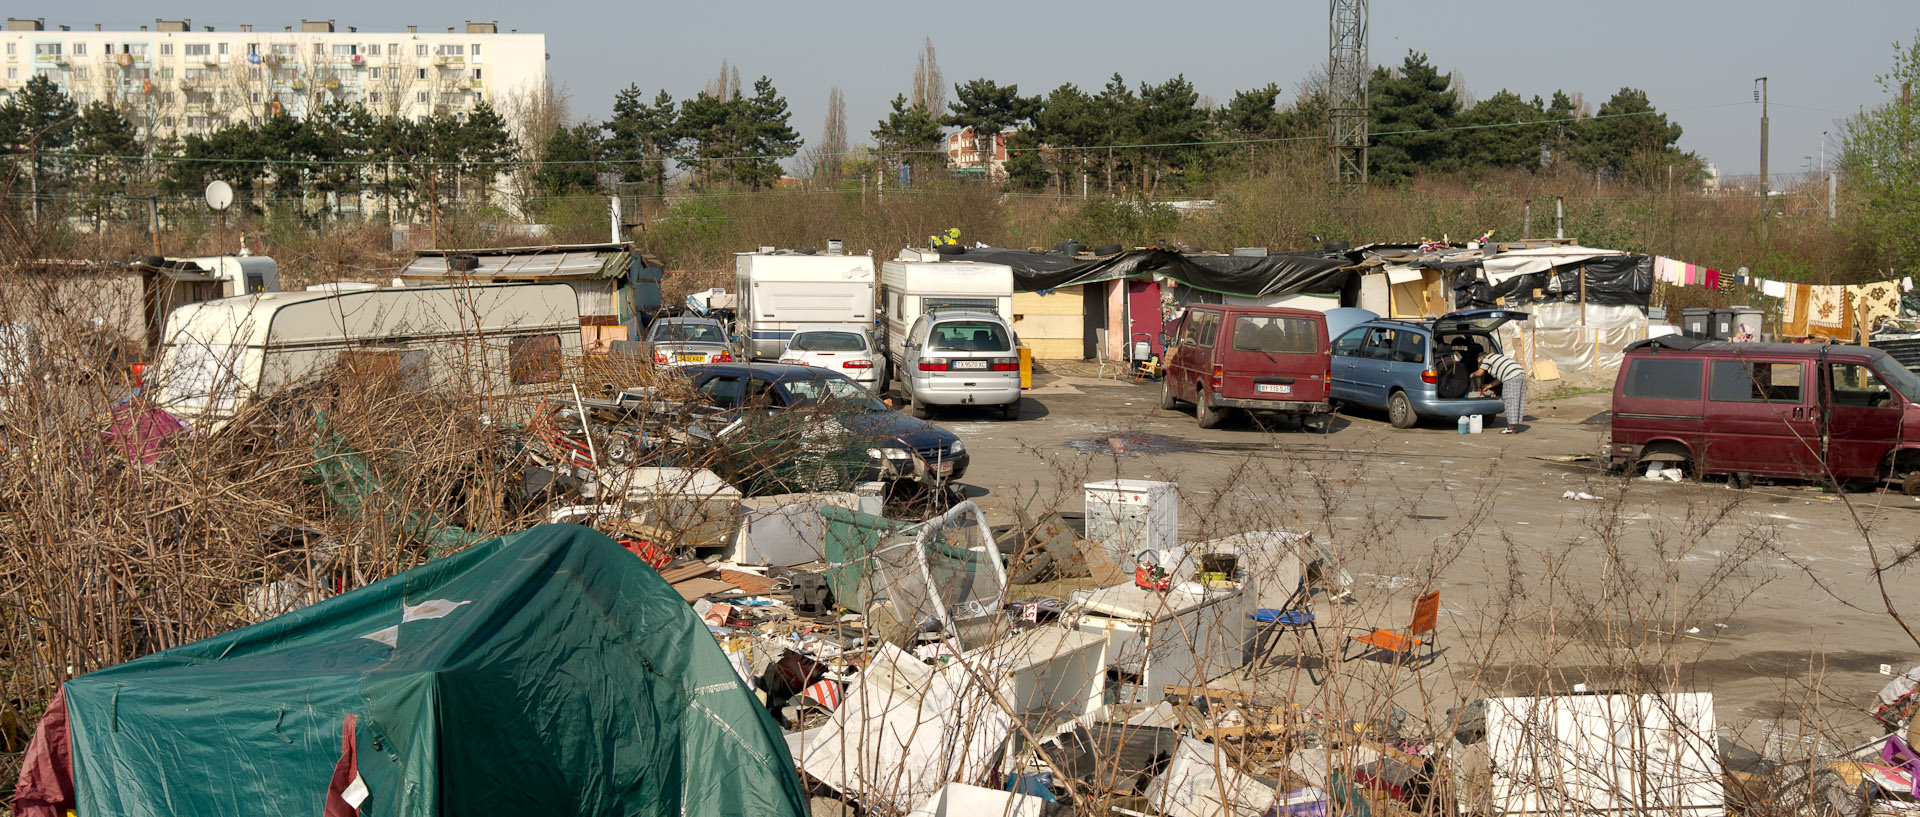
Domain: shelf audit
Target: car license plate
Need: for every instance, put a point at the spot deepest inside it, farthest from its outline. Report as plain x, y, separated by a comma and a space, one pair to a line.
1273, 388
941, 468
970, 364
690, 358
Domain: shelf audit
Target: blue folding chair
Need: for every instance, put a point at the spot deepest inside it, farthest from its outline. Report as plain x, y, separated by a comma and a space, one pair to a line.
1288, 618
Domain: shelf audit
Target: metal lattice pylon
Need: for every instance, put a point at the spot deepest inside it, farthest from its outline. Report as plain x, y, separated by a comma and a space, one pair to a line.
1347, 72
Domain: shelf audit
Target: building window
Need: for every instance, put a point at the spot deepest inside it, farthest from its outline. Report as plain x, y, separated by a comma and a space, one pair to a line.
373, 49
374, 97
10, 48
452, 50
167, 72
139, 50
80, 98
46, 49
166, 121
420, 50
476, 49
421, 98
223, 49
476, 73
253, 49
13, 73
257, 98
319, 49
79, 49
80, 73
422, 74
284, 49
195, 49
376, 73
345, 50
253, 72
166, 49
393, 49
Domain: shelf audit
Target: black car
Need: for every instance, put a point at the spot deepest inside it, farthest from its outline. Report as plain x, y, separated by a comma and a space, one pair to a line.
828, 407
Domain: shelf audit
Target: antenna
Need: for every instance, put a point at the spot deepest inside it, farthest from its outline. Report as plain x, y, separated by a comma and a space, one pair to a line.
219, 195
1347, 71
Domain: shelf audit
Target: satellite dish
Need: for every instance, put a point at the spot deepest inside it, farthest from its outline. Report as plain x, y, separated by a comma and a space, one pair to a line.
219, 195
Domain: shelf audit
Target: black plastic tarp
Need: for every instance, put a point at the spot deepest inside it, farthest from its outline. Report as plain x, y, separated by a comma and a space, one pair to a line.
1614, 280
1266, 276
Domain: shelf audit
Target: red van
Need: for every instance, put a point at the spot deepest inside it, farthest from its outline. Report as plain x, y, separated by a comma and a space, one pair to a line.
1253, 358
1810, 412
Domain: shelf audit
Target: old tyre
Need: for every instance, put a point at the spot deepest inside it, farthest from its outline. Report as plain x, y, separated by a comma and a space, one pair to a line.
1911, 485
915, 408
1206, 415
1400, 411
1010, 411
1167, 401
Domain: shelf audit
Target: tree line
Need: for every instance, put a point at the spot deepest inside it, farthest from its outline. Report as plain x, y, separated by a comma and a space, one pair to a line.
1147, 139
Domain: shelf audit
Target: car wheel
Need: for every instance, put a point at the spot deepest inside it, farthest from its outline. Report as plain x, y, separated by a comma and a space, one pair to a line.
915, 408
1400, 411
1010, 411
1167, 400
1206, 415
1911, 485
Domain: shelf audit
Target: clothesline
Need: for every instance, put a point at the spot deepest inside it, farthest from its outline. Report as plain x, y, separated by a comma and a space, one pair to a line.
1820, 311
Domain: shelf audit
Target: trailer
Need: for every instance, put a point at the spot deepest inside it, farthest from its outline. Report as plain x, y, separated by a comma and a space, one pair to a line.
918, 282
501, 340
778, 291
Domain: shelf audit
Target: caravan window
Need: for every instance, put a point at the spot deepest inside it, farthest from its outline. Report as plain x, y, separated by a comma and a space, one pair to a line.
534, 359
403, 368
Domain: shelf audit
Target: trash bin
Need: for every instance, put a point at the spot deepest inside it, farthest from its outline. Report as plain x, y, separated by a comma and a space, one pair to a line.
1656, 315
1696, 322
1722, 326
1746, 323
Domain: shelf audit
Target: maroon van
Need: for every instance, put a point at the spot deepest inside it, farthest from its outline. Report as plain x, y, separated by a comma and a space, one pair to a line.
1811, 412
1253, 358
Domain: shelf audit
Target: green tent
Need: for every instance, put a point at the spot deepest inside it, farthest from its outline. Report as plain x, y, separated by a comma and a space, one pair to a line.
547, 672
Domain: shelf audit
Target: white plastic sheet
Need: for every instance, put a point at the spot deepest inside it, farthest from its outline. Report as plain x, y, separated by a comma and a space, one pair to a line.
905, 729
1193, 783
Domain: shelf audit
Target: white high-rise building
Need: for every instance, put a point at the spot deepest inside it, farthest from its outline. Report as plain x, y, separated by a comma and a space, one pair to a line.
177, 81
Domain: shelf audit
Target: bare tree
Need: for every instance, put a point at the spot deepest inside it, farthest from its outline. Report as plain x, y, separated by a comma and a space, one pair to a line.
929, 87
828, 154
723, 87
533, 115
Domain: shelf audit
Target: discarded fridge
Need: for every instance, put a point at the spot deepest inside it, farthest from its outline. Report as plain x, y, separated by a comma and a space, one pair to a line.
1155, 639
1127, 516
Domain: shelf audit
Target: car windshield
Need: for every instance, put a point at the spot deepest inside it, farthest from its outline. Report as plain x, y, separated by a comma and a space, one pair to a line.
1294, 336
1900, 377
690, 332
836, 391
968, 336
827, 342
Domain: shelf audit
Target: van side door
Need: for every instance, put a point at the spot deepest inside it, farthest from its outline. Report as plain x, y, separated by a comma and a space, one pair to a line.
1862, 420
1762, 418
1179, 356
1346, 355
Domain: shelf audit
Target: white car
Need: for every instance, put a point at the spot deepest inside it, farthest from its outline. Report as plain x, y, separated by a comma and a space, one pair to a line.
847, 348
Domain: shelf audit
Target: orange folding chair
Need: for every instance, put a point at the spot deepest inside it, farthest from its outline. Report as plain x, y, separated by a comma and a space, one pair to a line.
1426, 612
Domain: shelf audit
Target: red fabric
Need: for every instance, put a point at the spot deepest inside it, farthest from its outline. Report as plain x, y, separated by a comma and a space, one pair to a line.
1713, 279
46, 776
344, 773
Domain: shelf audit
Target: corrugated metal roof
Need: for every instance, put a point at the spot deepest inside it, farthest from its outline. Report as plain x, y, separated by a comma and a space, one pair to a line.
572, 264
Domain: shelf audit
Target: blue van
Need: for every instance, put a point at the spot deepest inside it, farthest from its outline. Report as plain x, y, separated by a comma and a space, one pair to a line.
1416, 369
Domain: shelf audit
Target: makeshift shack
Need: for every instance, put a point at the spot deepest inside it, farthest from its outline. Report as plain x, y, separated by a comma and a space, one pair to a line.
546, 672
618, 286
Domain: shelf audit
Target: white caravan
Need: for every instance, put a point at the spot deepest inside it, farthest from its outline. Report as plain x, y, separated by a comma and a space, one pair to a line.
484, 340
918, 282
777, 292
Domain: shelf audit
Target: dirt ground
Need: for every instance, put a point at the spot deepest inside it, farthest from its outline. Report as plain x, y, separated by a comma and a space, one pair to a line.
1763, 596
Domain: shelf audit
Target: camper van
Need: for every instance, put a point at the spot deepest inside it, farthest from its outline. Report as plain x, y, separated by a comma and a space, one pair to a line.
498, 340
918, 282
778, 291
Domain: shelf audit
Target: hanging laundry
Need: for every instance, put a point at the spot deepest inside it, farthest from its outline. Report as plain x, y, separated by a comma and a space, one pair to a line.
1793, 314
1827, 307
1773, 289
1906, 285
1874, 303
1713, 279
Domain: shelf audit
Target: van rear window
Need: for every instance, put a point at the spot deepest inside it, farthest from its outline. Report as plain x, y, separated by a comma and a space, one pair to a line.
968, 336
1664, 379
1293, 336
1742, 381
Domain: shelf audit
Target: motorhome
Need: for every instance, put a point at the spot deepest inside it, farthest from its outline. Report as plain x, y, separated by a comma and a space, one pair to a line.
486, 340
919, 282
777, 291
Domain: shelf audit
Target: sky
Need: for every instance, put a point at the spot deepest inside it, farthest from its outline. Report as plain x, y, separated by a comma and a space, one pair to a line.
1696, 59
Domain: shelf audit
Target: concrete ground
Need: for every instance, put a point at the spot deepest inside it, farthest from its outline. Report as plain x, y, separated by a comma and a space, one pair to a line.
1764, 597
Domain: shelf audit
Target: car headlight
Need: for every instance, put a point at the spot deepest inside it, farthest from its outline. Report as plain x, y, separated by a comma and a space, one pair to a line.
958, 448
890, 453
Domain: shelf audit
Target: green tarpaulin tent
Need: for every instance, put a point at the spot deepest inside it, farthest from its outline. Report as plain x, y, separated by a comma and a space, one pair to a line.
547, 672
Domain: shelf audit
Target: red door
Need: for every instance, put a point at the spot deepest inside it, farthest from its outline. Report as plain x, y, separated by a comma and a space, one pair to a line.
1863, 420
1763, 418
1143, 316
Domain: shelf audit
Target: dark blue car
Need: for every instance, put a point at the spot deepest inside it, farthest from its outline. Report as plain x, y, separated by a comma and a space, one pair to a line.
1416, 369
897, 446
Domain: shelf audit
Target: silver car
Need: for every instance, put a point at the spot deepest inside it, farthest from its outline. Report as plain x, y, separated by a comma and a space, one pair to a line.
689, 341
961, 359
847, 348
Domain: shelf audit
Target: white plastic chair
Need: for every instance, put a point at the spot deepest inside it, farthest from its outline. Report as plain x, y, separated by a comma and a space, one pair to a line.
1100, 354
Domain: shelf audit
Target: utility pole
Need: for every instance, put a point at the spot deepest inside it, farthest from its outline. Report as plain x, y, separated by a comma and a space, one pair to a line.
1766, 200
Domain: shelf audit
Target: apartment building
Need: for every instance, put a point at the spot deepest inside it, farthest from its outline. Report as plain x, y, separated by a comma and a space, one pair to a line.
173, 80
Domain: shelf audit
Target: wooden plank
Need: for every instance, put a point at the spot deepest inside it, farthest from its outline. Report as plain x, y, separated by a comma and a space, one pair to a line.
695, 588
676, 574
